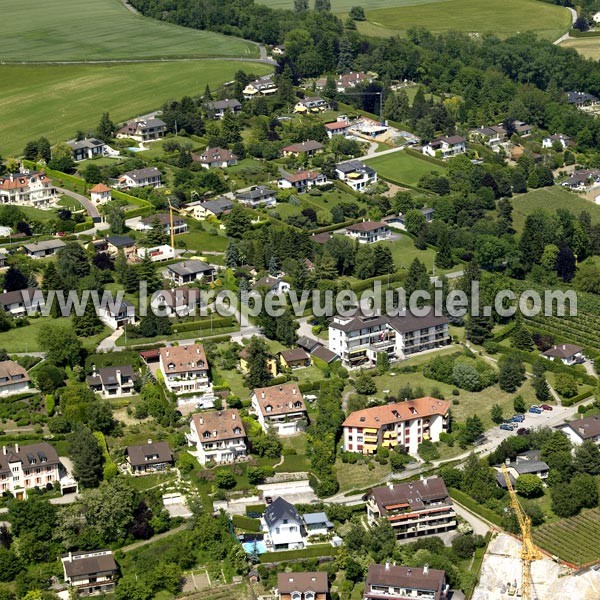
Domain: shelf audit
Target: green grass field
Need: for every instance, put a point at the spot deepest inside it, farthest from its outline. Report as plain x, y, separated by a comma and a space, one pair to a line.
56, 101
400, 167
76, 30
551, 199
500, 17
588, 47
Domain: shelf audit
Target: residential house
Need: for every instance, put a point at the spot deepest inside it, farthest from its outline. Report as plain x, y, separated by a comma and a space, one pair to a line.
164, 219
117, 314
147, 177
256, 196
215, 158
43, 249
23, 468
112, 382
185, 371
357, 340
115, 243
143, 130
182, 301
581, 430
28, 189
100, 194
307, 148
157, 253
568, 354
445, 147
308, 344
523, 129
415, 508
596, 17
368, 232
324, 354
294, 359
395, 582
581, 99
311, 104
202, 210
347, 81
356, 174
3, 251
302, 585
14, 379
316, 523
493, 136
302, 181
400, 220
276, 285
281, 407
527, 463
261, 87
189, 271
22, 302
244, 367
582, 180
548, 141
90, 572
339, 127
219, 436
149, 458
404, 424
218, 108
90, 148
283, 526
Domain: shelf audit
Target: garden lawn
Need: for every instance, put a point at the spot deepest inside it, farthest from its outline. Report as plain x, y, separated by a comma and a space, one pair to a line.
56, 101
202, 240
402, 168
404, 252
586, 46
102, 30
550, 199
359, 475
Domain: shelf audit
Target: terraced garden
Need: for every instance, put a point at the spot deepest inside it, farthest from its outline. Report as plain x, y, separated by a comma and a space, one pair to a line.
575, 540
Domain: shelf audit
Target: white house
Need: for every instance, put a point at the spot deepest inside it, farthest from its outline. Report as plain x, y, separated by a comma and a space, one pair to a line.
112, 382
117, 314
368, 232
143, 129
281, 407
218, 436
568, 354
28, 189
202, 210
163, 219
218, 108
90, 148
272, 284
262, 87
100, 194
339, 127
283, 526
185, 372
21, 302
257, 196
90, 572
181, 301
356, 174
581, 430
301, 181
14, 379
157, 253
395, 582
189, 271
311, 104
549, 140
147, 177
445, 147
215, 158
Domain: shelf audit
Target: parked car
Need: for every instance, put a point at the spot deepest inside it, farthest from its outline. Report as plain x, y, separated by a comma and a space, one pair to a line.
536, 410
516, 419
506, 426
546, 407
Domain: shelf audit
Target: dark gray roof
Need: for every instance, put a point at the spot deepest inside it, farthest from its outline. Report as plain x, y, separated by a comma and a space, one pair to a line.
411, 322
224, 104
529, 466
108, 375
307, 343
260, 191
414, 493
32, 454
88, 565
409, 578
120, 241
325, 354
580, 97
280, 509
563, 351
143, 173
353, 166
15, 296
46, 245
140, 455
87, 143
217, 206
190, 267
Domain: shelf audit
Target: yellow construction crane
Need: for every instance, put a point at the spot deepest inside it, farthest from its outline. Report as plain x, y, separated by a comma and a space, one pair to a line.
529, 551
171, 228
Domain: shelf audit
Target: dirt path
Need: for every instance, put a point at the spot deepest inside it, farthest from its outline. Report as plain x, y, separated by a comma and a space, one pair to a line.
153, 539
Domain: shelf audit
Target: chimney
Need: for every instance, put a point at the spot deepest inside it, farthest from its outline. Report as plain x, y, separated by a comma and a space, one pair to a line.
16, 448
387, 566
201, 420
149, 442
167, 354
70, 556
564, 347
4, 450
262, 395
294, 391
94, 370
233, 416
214, 433
198, 350
425, 569
390, 485
409, 572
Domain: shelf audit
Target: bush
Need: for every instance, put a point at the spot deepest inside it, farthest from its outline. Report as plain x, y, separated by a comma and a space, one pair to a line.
428, 451
245, 523
566, 385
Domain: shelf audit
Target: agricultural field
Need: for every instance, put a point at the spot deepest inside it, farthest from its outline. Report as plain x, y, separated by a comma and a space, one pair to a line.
586, 46
102, 30
551, 199
402, 168
575, 540
56, 101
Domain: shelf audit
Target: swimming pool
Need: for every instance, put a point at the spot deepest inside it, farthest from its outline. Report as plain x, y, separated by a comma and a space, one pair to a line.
257, 546
135, 149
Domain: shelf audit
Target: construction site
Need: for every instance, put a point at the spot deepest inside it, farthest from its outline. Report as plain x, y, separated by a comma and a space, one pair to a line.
501, 576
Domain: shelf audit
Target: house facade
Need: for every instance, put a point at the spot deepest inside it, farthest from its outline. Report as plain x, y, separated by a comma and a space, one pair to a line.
112, 382
356, 174
316, 523
256, 196
100, 194
185, 371
181, 301
549, 140
22, 302
215, 158
414, 509
357, 340
189, 271
117, 314
28, 189
245, 368
90, 572
581, 430
305, 585
23, 468
149, 458
143, 130
302, 181
294, 359
201, 211
403, 424
368, 232
260, 87
43, 249
14, 379
148, 177
280, 407
339, 127
87, 149
395, 582
446, 147
527, 463
218, 108
492, 137
568, 354
307, 148
283, 526
311, 104
218, 436
163, 219
116, 243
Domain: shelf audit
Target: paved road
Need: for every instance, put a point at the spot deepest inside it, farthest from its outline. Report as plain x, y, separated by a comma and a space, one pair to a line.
86, 202
480, 527
566, 36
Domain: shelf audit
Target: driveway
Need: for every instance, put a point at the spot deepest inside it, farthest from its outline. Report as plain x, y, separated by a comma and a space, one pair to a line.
86, 202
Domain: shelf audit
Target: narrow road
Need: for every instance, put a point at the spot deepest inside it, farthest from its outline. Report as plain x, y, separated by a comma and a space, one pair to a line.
86, 202
153, 539
480, 527
566, 36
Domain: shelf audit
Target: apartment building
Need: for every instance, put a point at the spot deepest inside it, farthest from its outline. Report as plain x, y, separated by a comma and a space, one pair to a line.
357, 340
219, 436
404, 424
23, 468
413, 509
90, 573
185, 371
401, 583
281, 407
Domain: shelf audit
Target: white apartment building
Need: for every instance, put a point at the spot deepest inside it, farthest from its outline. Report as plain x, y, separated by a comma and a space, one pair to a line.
218, 436
28, 189
357, 340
